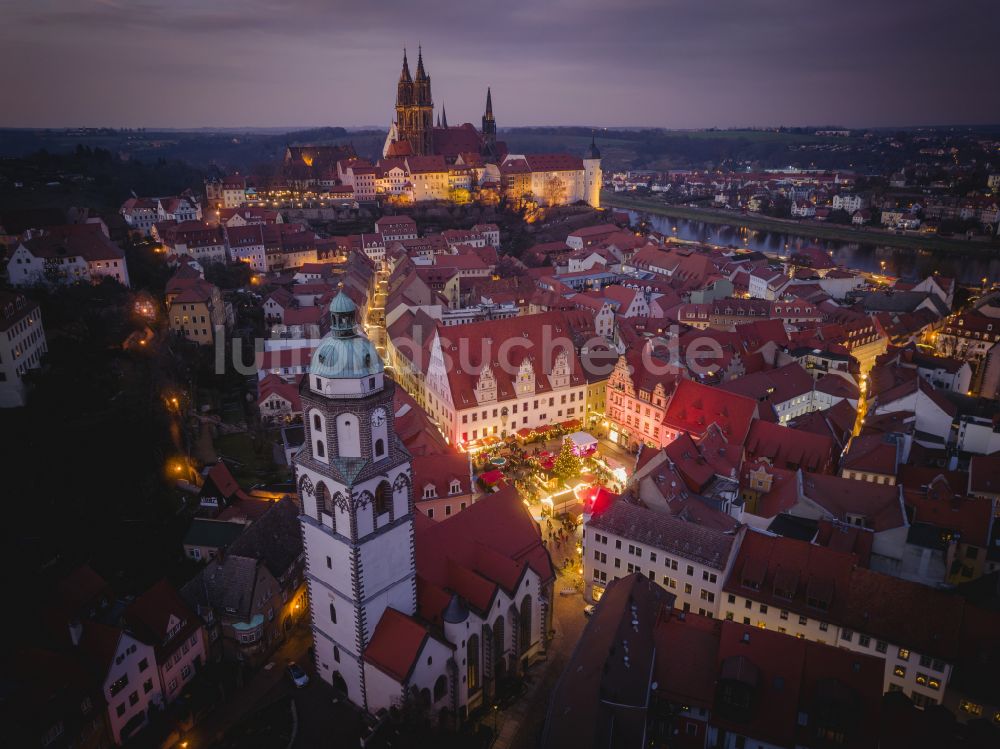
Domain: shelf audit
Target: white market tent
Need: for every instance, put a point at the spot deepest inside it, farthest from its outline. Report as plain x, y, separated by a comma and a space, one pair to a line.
582, 441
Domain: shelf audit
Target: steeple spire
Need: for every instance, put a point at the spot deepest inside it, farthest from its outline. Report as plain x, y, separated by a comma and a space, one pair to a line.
489, 127
405, 74
444, 117
439, 120
420, 64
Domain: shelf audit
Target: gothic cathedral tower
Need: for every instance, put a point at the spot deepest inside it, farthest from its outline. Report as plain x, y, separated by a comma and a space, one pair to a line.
489, 127
354, 483
415, 108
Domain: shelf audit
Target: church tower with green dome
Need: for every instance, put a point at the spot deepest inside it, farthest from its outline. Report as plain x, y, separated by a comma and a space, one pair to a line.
354, 483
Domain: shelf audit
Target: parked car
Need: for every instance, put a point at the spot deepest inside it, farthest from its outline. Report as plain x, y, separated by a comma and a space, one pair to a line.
299, 677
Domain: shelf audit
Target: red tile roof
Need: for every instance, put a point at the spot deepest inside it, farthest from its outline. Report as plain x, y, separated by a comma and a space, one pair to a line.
790, 677
489, 544
540, 334
693, 407
872, 453
440, 471
553, 162
878, 504
395, 644
936, 503
911, 615
272, 384
776, 385
150, 614
84, 240
795, 575
789, 448
984, 474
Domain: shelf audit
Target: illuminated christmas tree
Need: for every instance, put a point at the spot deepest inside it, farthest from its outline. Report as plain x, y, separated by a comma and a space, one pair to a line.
567, 465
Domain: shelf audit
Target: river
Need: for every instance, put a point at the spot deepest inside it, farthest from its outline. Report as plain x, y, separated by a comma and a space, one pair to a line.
969, 268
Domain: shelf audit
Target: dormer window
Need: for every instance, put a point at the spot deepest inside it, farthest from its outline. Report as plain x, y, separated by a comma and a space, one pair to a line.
430, 491
456, 487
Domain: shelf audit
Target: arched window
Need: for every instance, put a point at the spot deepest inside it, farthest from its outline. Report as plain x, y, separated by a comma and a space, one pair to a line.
472, 664
379, 447
322, 498
499, 640
383, 498
440, 687
524, 623
317, 422
333, 613
320, 449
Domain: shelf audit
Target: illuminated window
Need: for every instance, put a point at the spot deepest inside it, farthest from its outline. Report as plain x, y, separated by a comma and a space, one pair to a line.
904, 654
899, 670
972, 708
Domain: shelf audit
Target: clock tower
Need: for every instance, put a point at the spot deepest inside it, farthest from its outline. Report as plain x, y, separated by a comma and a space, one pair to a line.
354, 483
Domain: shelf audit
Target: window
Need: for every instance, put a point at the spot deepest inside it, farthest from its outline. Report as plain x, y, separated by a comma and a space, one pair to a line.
881, 646
379, 447
899, 670
329, 563
972, 708
133, 699
118, 685
333, 613
846, 635
904, 654
784, 614
120, 710
143, 664
823, 626
383, 498
763, 608
147, 686
864, 641
731, 598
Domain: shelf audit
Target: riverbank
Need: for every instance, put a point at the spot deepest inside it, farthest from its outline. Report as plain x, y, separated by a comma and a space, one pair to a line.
836, 232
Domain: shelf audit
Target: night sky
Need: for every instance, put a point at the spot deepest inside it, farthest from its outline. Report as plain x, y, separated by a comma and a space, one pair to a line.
663, 63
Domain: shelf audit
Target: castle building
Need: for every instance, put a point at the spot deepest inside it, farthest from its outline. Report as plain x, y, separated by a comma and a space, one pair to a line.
431, 161
405, 608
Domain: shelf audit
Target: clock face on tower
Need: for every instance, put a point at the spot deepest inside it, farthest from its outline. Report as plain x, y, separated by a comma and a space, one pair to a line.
378, 417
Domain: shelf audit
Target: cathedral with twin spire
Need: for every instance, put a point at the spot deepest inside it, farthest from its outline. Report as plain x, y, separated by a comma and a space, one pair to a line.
425, 161
414, 133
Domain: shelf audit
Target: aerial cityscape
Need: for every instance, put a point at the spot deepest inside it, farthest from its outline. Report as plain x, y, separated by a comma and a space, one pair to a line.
634, 384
